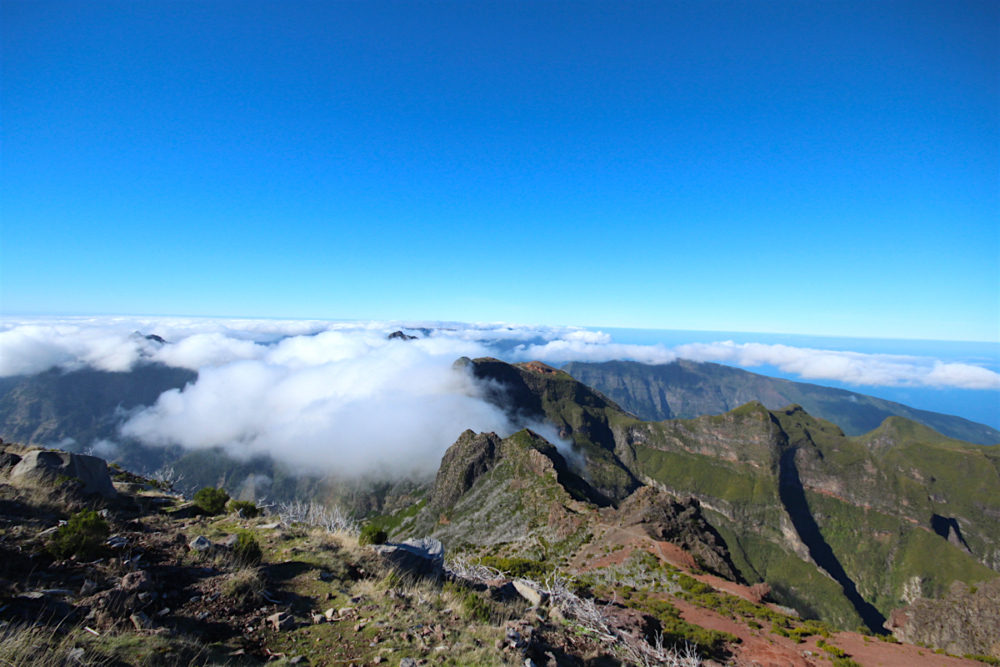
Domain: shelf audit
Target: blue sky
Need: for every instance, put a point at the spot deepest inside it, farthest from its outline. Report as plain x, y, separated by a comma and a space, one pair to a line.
800, 167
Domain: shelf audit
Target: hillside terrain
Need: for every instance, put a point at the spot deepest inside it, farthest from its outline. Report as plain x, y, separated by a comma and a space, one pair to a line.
841, 528
167, 581
686, 389
755, 532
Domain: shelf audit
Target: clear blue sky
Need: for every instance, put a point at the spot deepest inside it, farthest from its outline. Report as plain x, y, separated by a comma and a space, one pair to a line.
800, 167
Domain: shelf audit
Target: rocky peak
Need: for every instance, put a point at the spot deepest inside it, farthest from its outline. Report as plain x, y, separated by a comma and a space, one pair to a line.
470, 457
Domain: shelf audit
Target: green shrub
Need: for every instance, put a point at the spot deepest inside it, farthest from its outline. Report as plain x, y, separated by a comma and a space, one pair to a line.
245, 507
211, 500
82, 536
372, 534
517, 567
988, 659
246, 551
845, 662
835, 651
243, 586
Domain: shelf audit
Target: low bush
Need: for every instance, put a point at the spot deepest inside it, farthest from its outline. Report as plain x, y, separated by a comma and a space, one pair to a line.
83, 536
247, 551
372, 534
517, 567
246, 508
243, 586
211, 500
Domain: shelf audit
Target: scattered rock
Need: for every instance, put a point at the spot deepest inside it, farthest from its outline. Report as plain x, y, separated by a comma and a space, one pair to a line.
139, 580
141, 621
534, 596
230, 541
407, 662
117, 542
281, 621
200, 543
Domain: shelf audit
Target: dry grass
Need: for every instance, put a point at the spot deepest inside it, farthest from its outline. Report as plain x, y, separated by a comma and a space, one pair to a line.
244, 586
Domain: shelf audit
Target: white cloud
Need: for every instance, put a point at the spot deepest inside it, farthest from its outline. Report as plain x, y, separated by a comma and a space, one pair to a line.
855, 368
561, 351
349, 403
341, 396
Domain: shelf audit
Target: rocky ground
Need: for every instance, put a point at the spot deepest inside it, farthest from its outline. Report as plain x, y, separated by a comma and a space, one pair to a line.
170, 585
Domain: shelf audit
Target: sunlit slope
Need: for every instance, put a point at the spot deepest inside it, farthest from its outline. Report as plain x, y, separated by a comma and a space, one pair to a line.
687, 389
844, 528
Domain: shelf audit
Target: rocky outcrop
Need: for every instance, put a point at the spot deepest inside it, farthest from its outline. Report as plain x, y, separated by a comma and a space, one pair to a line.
966, 621
472, 455
680, 522
422, 557
42, 467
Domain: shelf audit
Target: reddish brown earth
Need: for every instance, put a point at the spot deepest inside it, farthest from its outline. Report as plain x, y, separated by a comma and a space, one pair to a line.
757, 647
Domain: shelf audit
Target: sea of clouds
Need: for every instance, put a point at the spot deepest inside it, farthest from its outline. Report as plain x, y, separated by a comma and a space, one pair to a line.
325, 395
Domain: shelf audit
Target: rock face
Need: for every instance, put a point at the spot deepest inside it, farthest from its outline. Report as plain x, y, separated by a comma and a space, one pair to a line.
422, 557
966, 621
42, 467
667, 519
472, 455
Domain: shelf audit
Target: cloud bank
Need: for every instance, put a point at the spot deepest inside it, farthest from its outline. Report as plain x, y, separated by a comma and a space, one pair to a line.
341, 396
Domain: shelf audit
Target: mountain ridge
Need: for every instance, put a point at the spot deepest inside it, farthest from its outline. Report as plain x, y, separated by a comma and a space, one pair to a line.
686, 389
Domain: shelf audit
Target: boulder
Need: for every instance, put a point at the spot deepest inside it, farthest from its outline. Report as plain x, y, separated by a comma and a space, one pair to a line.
534, 596
42, 466
422, 557
200, 543
140, 580
281, 621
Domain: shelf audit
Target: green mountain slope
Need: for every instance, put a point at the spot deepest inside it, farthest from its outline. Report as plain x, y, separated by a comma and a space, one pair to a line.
85, 404
687, 389
843, 528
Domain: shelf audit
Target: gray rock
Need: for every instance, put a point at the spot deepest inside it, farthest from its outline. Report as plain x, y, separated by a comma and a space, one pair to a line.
230, 541
534, 596
43, 467
75, 656
117, 541
281, 621
421, 557
141, 621
139, 580
9, 459
407, 662
200, 543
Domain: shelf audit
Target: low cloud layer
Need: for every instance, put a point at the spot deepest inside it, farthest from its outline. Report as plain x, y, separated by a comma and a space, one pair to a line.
853, 368
341, 396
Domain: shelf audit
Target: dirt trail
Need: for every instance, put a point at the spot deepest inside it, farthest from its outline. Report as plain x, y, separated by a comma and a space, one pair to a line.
757, 647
